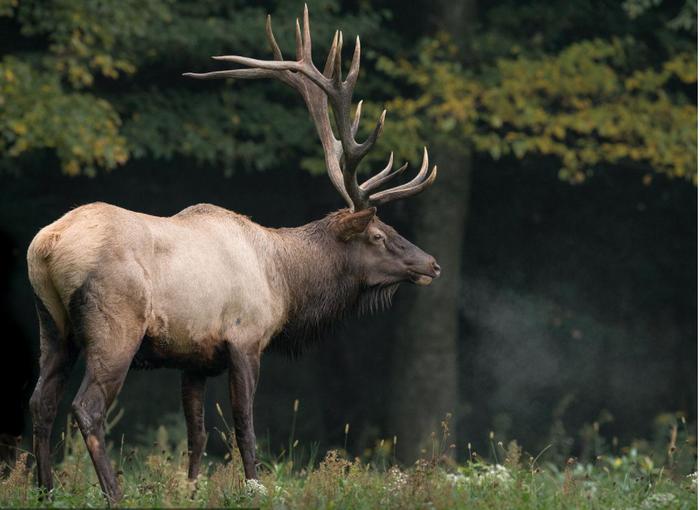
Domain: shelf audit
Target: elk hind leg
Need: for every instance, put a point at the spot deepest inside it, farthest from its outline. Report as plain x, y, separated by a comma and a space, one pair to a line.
104, 376
112, 333
58, 357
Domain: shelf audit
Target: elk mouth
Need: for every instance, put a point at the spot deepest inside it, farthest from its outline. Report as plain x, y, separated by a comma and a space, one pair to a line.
422, 279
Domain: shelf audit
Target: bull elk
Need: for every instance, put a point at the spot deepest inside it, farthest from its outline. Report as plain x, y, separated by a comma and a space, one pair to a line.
208, 289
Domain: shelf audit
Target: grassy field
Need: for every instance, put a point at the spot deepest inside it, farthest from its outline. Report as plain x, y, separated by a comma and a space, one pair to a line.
506, 479
339, 483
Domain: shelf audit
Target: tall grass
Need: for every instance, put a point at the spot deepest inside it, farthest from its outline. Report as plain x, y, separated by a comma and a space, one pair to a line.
506, 477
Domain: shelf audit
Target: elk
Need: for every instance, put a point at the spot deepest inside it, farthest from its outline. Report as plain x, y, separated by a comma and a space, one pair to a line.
207, 289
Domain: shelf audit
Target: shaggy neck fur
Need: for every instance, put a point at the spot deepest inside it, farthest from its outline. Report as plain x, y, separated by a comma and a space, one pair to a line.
322, 283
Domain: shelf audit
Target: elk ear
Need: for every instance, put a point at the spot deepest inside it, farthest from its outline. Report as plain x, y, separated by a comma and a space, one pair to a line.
354, 223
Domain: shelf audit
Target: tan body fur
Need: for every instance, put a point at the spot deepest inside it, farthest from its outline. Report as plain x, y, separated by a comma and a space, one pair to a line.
197, 278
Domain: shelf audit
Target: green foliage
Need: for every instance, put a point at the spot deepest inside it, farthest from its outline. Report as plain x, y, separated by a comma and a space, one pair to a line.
89, 39
587, 105
36, 113
100, 82
686, 19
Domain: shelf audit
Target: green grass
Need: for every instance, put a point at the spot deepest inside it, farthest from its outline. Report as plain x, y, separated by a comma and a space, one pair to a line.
648, 475
156, 478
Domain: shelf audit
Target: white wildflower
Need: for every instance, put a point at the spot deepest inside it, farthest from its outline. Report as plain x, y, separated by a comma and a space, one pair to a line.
659, 500
457, 479
255, 488
496, 474
396, 482
693, 481
488, 475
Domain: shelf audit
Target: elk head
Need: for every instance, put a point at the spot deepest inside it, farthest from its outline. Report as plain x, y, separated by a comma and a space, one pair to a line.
380, 255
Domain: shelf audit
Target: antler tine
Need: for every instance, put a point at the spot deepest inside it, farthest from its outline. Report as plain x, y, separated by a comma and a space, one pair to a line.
356, 119
306, 38
385, 175
414, 186
309, 71
372, 138
271, 39
421, 173
419, 177
330, 60
338, 60
394, 194
388, 177
354, 65
299, 43
241, 74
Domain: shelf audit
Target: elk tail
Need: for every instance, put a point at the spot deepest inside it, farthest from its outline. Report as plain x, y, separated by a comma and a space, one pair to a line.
48, 298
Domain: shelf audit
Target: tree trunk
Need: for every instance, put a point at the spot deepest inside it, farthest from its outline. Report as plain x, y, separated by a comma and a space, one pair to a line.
425, 371
425, 360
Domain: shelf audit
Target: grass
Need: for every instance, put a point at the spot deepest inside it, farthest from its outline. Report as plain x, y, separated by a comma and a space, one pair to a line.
156, 477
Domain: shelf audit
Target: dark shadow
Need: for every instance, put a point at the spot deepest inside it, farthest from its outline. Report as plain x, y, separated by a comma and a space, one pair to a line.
15, 362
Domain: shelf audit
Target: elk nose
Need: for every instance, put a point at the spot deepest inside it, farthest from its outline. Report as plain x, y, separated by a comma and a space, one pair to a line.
436, 267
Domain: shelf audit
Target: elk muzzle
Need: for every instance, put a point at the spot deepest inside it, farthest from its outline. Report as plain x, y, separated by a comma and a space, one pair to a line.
425, 272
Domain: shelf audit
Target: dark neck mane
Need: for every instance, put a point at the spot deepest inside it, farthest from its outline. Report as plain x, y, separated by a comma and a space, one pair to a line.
322, 286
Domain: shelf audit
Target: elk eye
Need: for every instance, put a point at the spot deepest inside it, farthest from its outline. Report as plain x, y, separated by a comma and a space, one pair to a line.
377, 237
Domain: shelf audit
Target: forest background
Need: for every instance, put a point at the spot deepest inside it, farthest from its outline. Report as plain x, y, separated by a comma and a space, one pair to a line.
564, 214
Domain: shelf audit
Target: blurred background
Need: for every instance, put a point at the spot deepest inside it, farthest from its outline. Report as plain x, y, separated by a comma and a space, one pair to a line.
564, 215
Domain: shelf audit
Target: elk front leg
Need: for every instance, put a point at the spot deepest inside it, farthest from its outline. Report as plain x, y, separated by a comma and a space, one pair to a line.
193, 386
243, 378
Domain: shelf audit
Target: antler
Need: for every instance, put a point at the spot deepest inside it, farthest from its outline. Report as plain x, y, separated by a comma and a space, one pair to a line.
318, 89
